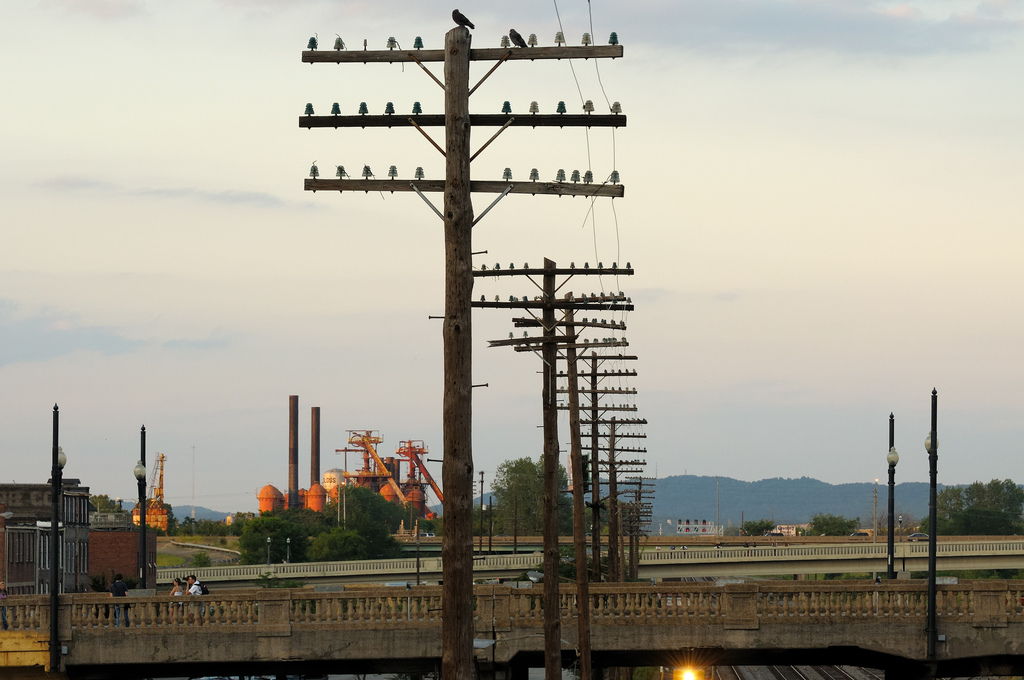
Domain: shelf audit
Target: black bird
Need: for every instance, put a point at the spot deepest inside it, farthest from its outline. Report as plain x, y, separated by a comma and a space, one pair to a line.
461, 19
517, 39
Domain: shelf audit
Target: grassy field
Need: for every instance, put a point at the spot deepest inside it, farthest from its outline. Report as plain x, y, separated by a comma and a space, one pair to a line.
167, 560
170, 555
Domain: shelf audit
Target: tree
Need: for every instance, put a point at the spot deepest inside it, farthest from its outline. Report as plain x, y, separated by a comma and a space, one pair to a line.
373, 518
201, 559
103, 503
825, 524
758, 527
992, 509
518, 496
518, 492
338, 544
253, 542
311, 521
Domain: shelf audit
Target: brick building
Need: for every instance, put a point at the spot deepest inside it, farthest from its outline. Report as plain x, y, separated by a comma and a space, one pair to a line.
26, 537
114, 548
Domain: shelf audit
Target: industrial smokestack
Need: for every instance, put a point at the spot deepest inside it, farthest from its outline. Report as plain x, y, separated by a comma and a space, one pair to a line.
314, 469
293, 451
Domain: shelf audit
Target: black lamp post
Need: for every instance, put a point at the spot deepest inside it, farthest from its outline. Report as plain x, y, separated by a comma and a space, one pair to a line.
268, 549
56, 474
288, 554
140, 475
932, 444
892, 458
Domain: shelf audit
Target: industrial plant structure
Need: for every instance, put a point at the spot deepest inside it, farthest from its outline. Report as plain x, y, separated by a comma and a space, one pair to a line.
381, 475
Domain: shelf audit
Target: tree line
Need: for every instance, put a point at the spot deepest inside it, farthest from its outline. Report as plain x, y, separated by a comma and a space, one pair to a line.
992, 509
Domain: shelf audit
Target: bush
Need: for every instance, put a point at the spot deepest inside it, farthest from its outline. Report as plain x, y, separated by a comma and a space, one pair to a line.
201, 559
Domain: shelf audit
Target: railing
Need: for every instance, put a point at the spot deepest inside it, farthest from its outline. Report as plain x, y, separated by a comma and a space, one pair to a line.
402, 566
523, 562
746, 604
797, 552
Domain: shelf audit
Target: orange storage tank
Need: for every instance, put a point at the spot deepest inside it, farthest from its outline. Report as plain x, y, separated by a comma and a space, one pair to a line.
270, 498
316, 497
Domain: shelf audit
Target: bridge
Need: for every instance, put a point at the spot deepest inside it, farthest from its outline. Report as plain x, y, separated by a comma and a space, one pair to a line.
726, 561
398, 629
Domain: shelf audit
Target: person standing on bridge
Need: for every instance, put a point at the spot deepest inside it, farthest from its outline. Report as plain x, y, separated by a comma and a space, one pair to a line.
119, 589
3, 610
195, 588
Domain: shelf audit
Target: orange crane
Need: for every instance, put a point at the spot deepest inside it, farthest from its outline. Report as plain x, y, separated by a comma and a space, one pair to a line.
156, 513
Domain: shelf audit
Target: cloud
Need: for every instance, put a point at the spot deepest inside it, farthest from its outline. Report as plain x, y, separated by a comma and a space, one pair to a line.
211, 343
829, 26
104, 9
259, 199
51, 335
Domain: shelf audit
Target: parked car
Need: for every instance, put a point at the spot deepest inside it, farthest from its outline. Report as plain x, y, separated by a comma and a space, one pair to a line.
860, 533
917, 537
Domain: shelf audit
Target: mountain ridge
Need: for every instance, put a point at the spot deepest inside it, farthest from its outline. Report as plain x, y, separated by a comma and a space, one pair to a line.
786, 500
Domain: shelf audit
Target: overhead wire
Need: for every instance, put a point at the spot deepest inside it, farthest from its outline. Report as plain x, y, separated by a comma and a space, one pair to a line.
591, 212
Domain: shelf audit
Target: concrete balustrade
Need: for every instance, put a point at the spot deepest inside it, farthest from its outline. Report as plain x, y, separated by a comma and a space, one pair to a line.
388, 628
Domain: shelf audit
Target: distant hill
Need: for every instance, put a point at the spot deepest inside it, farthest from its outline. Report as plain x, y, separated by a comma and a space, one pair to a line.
789, 501
183, 511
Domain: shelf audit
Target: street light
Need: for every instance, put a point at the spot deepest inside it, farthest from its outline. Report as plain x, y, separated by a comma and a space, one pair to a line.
56, 472
268, 549
140, 476
892, 458
288, 546
931, 443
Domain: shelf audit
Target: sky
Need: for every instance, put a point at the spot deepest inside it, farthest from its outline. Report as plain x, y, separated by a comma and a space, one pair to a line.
822, 207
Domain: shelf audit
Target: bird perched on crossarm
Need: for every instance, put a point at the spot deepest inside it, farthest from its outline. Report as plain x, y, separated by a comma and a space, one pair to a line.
461, 19
517, 39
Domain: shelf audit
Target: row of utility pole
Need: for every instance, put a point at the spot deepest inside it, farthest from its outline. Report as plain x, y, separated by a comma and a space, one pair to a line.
559, 340
457, 214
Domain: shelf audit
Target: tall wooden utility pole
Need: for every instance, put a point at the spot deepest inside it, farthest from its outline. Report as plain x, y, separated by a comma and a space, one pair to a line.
549, 343
457, 463
579, 486
549, 354
457, 467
